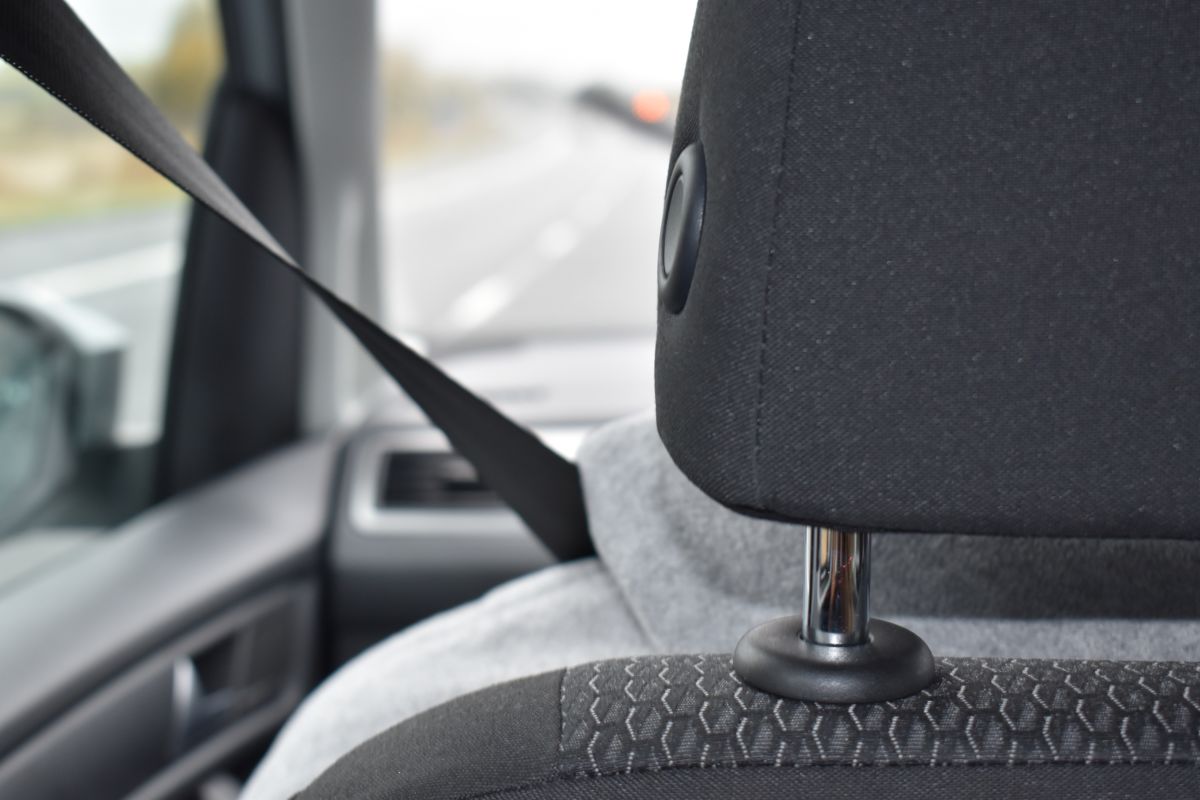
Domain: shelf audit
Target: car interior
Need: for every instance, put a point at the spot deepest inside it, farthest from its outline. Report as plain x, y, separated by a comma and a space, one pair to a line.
704, 399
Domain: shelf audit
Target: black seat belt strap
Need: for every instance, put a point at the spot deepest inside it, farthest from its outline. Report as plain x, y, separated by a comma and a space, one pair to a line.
46, 41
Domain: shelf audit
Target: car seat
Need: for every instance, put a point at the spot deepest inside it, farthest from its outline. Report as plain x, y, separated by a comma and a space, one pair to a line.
928, 269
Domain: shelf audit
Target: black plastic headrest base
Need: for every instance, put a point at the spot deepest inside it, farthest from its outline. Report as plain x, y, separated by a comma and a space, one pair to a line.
894, 663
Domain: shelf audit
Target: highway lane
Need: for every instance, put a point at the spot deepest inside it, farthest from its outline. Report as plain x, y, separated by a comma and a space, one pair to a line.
557, 234
552, 232
30, 250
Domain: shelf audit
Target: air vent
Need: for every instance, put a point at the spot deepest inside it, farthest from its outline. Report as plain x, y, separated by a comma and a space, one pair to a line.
432, 480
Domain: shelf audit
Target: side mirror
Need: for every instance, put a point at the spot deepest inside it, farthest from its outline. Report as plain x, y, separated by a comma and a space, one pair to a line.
60, 370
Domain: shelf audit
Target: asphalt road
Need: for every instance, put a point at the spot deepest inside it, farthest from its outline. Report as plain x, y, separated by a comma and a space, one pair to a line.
551, 232
557, 233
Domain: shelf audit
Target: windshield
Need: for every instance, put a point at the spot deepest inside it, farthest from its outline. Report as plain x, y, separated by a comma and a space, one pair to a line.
525, 149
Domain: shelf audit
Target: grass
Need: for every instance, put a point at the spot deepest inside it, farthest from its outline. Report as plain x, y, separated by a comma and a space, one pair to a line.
55, 177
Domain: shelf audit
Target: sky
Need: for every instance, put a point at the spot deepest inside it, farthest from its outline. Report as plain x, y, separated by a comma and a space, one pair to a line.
133, 30
563, 42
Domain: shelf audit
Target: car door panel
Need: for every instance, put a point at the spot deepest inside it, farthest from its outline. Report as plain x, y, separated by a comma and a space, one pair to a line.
220, 582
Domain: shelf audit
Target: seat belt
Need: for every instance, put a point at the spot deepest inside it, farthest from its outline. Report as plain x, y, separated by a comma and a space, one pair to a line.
46, 41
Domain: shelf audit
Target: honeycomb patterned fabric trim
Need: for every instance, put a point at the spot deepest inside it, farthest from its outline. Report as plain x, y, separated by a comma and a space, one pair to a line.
692, 711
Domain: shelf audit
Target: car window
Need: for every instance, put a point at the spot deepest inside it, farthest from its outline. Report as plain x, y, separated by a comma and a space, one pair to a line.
91, 245
525, 150
524, 159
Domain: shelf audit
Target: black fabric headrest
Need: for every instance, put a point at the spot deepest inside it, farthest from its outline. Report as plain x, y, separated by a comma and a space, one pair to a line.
947, 269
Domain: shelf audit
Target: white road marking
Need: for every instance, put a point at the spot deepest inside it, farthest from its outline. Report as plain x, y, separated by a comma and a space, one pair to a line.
596, 205
480, 304
100, 275
557, 240
487, 298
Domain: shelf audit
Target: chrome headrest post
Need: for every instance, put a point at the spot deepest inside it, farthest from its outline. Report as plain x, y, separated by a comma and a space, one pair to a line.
833, 651
838, 591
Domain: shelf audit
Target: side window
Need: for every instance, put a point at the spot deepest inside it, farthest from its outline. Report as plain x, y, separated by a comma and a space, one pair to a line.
91, 243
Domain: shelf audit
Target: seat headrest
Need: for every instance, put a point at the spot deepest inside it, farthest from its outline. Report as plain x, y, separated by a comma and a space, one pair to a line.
944, 269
